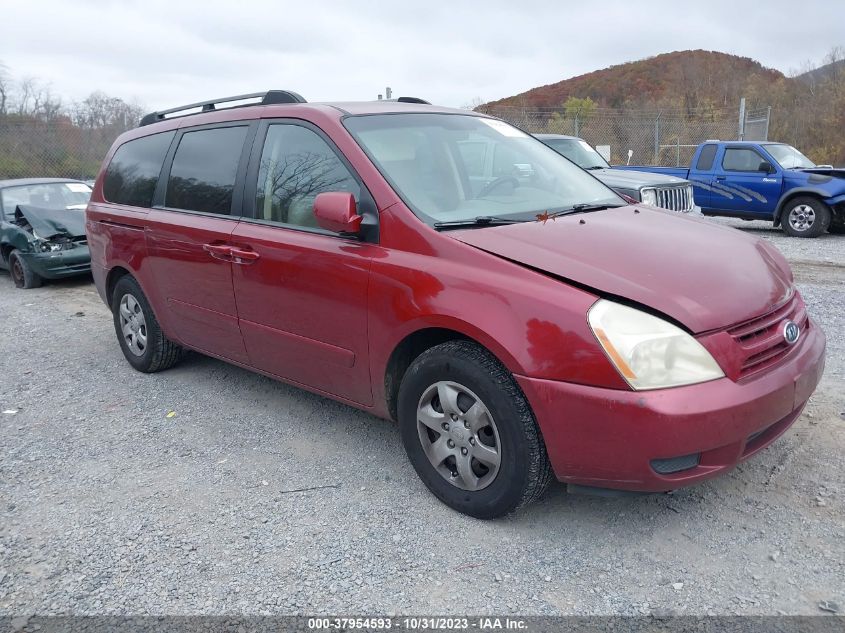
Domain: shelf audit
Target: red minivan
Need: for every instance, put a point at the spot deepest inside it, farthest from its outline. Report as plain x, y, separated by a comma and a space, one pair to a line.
444, 269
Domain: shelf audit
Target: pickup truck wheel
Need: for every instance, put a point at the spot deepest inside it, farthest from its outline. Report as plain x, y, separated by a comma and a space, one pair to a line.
143, 343
469, 431
805, 217
22, 275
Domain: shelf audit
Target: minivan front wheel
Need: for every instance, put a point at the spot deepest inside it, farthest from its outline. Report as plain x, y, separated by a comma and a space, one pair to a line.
470, 433
143, 343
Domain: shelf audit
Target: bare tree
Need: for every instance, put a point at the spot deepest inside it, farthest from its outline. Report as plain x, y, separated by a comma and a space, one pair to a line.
4, 87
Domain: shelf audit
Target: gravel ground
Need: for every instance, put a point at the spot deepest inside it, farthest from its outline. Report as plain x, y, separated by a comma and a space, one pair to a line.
124, 493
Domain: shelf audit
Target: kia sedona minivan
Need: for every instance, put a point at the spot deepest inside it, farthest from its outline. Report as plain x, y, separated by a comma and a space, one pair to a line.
518, 322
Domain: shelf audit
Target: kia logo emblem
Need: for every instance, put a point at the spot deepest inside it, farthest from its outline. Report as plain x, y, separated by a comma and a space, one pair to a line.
791, 332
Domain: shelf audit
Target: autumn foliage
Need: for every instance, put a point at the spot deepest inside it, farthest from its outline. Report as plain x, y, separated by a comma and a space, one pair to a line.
808, 108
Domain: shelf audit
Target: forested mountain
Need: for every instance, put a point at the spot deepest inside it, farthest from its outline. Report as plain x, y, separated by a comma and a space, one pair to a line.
808, 108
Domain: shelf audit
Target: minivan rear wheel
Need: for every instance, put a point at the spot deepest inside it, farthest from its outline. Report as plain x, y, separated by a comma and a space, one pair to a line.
470, 433
143, 343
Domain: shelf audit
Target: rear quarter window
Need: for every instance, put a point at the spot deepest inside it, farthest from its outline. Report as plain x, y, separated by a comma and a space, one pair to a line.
134, 169
705, 158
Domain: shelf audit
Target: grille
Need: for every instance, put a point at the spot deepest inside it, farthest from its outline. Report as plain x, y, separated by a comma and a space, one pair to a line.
675, 198
761, 339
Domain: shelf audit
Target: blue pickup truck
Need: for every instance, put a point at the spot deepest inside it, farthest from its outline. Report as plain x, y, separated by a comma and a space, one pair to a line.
764, 181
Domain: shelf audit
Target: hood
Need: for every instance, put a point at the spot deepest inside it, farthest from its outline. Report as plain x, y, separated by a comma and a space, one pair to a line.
703, 275
49, 223
625, 179
835, 172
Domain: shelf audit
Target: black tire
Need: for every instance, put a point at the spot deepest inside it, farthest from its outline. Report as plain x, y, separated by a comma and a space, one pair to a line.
22, 275
524, 471
821, 217
158, 352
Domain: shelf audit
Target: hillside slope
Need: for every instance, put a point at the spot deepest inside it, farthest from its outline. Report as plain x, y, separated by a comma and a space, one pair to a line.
688, 79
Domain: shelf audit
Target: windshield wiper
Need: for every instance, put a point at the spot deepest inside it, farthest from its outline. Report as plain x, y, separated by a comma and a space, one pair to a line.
592, 167
481, 220
581, 208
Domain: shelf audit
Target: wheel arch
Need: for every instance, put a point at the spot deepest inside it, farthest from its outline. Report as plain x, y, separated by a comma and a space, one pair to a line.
411, 346
5, 251
115, 275
798, 192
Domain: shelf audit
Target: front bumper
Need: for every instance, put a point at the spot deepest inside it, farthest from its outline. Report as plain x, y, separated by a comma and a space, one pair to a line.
609, 438
57, 264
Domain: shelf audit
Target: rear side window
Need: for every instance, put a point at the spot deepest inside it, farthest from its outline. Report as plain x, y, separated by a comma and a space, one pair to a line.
204, 169
705, 158
741, 159
133, 172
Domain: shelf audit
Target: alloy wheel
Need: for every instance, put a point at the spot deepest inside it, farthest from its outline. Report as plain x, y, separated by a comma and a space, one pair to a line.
802, 217
133, 325
458, 435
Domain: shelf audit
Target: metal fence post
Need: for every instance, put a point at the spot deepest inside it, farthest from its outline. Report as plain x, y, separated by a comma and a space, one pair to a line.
577, 124
741, 132
768, 118
657, 139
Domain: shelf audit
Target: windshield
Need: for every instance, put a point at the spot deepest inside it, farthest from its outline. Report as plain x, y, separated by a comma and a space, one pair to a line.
788, 157
52, 195
453, 167
578, 151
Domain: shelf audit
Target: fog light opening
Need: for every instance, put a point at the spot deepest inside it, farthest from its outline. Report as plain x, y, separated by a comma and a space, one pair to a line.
675, 464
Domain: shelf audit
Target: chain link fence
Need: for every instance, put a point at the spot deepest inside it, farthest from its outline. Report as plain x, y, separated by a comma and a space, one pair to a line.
57, 148
38, 148
756, 126
666, 138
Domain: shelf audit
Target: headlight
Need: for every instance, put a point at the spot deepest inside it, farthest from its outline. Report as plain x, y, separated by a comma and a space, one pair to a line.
45, 246
650, 353
649, 196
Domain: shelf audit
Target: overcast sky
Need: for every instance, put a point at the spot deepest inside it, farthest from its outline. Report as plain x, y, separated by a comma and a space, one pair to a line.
165, 53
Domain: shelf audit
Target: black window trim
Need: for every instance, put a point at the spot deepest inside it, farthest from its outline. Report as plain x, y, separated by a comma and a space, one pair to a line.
366, 204
742, 171
236, 210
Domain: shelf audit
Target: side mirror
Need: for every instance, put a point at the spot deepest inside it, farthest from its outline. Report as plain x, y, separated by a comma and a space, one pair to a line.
336, 211
766, 166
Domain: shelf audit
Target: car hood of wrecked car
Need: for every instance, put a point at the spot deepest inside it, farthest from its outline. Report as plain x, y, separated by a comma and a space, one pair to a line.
47, 223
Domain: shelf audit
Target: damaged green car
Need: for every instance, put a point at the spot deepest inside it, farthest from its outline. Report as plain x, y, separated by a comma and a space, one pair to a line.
42, 229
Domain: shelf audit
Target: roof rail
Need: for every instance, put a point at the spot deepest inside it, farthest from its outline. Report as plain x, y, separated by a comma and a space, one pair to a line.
413, 100
267, 98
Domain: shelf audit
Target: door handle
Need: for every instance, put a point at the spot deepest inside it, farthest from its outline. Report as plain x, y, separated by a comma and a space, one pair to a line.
241, 256
721, 177
218, 251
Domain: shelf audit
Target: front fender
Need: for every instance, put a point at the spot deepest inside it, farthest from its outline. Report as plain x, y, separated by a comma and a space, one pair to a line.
824, 195
535, 324
13, 237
